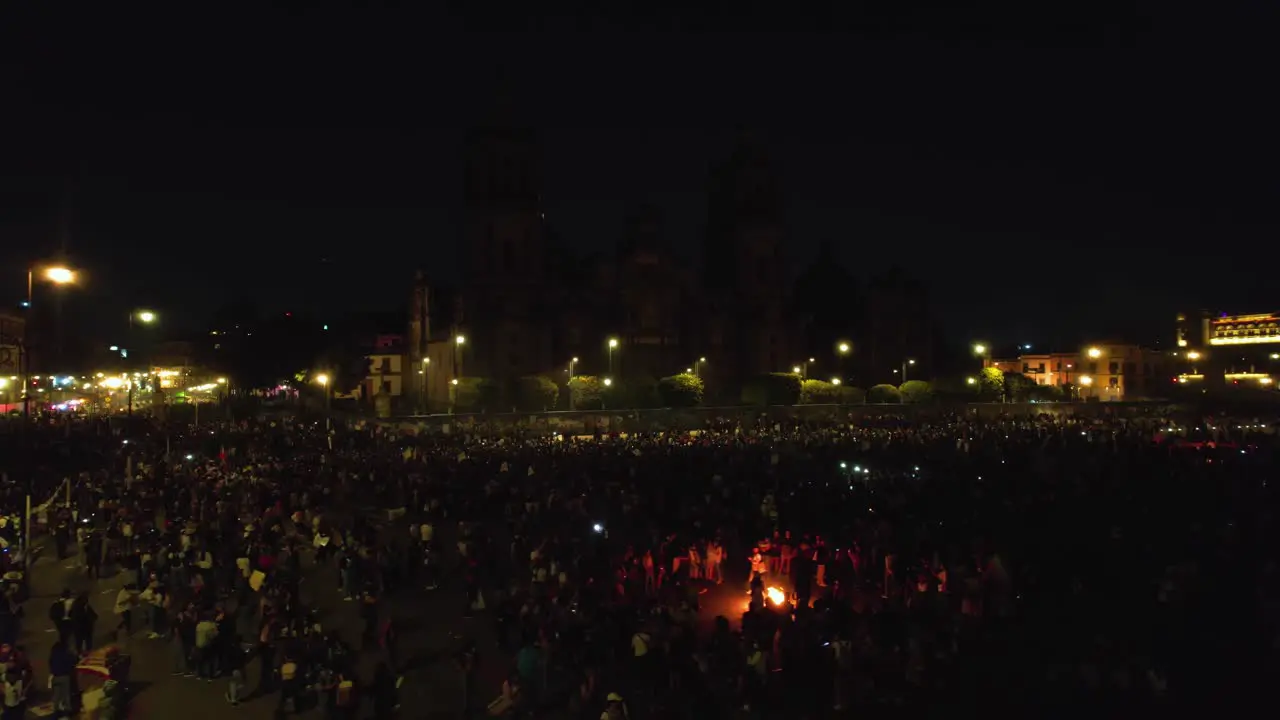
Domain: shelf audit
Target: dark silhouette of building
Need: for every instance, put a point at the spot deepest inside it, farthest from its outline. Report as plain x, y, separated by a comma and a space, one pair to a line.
748, 326
898, 330
530, 307
508, 300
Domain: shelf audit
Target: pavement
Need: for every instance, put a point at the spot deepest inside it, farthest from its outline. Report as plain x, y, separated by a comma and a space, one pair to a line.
431, 626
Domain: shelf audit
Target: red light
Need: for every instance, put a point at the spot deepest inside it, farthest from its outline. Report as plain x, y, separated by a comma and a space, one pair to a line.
288, 314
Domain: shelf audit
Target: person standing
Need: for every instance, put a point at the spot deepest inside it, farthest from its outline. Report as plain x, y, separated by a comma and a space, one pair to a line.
83, 618
60, 614
125, 600
62, 663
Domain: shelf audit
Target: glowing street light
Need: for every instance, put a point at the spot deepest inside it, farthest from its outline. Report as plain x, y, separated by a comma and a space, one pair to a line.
906, 363
835, 381
979, 349
697, 366
461, 340
613, 345
971, 380
843, 348
1193, 355
146, 316
1094, 353
59, 275
608, 382
1086, 380
795, 369
572, 361
222, 381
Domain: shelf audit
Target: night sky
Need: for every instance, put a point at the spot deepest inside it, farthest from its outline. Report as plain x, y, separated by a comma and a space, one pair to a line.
1050, 179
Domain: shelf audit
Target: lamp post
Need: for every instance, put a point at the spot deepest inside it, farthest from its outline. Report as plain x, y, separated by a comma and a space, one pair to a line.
842, 351
458, 342
144, 317
905, 364
426, 384
981, 351
613, 345
802, 369
569, 384
697, 367
607, 383
55, 275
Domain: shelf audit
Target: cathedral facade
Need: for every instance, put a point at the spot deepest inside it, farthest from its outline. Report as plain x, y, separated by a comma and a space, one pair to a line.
529, 307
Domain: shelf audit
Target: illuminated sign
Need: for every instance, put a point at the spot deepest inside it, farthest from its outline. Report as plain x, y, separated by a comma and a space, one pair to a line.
1245, 329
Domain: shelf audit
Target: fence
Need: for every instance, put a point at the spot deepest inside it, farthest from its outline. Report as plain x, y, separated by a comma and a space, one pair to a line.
585, 422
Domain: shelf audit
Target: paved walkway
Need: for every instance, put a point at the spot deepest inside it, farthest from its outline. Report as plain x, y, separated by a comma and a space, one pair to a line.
431, 628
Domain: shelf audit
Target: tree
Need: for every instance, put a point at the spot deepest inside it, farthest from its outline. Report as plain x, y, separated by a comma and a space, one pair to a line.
473, 394
850, 395
772, 389
991, 384
818, 392
884, 394
916, 391
683, 390
1017, 387
585, 391
536, 393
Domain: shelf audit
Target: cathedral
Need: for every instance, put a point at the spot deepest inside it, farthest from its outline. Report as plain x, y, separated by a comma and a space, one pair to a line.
529, 307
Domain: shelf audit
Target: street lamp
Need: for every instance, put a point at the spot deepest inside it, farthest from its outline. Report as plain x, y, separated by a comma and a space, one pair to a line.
426, 384
905, 363
458, 342
146, 317
56, 275
572, 361
835, 381
802, 369
843, 349
613, 345
1094, 353
971, 380
697, 367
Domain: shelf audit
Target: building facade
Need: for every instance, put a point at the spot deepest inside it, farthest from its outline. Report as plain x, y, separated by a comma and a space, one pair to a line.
529, 308
1104, 371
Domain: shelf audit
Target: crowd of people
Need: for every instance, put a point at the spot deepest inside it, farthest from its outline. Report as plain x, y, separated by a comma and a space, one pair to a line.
753, 567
